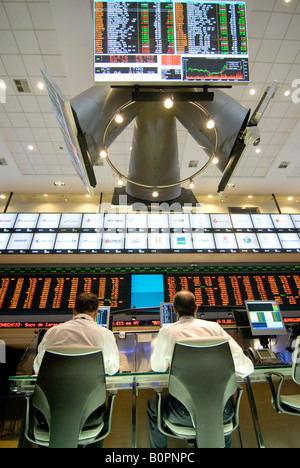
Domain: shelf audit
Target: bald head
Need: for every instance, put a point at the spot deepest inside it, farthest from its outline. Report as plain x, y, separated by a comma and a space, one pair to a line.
185, 303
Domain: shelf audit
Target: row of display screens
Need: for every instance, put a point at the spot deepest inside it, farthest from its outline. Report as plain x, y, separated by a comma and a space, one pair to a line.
73, 242
142, 221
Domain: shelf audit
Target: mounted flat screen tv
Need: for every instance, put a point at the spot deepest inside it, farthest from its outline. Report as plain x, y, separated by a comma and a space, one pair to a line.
170, 41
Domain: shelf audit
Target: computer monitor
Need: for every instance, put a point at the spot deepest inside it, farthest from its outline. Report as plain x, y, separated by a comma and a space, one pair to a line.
265, 318
167, 314
103, 317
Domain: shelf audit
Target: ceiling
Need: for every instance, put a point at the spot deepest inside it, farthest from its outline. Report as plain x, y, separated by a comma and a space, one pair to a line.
57, 35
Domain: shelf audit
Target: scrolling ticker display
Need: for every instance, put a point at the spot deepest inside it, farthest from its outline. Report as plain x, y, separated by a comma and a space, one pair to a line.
33, 296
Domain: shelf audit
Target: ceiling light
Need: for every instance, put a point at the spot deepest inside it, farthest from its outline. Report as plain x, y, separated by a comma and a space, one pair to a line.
41, 85
258, 150
119, 119
192, 184
215, 160
120, 182
250, 196
290, 198
287, 1
30, 147
168, 103
252, 91
287, 93
103, 153
45, 195
2, 197
59, 184
210, 124
155, 194
209, 196
2, 84
87, 195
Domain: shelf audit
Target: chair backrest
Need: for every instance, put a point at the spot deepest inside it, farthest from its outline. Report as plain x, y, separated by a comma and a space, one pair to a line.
70, 386
296, 362
202, 377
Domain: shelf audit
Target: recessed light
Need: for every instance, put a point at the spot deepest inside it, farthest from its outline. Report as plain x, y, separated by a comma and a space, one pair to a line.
287, 93
155, 194
290, 198
30, 147
192, 184
258, 150
59, 184
2, 197
250, 196
2, 84
215, 160
120, 182
252, 91
45, 195
41, 85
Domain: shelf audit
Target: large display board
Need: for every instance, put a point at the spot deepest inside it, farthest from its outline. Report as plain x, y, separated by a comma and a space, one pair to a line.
41, 296
170, 41
139, 233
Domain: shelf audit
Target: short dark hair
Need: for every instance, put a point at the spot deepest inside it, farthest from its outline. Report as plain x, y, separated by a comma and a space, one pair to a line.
185, 303
86, 303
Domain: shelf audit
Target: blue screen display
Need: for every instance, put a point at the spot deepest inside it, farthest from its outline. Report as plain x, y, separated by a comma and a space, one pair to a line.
147, 290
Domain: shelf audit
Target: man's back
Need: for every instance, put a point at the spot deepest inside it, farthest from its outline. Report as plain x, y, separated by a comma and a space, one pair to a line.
81, 331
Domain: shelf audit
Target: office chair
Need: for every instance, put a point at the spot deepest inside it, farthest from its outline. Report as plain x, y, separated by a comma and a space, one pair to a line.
289, 404
202, 376
70, 387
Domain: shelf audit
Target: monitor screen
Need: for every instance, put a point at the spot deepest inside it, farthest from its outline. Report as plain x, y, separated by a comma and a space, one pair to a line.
147, 290
167, 314
265, 318
102, 318
170, 41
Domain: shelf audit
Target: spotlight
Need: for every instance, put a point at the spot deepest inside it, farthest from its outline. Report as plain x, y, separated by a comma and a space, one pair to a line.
192, 184
103, 153
215, 160
119, 118
168, 103
210, 124
120, 182
155, 194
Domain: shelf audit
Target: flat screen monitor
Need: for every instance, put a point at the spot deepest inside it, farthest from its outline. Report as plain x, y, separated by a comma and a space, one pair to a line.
103, 315
176, 41
71, 132
167, 314
265, 318
147, 290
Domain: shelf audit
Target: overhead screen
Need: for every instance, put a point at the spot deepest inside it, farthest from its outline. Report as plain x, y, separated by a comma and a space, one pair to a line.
114, 233
170, 41
44, 296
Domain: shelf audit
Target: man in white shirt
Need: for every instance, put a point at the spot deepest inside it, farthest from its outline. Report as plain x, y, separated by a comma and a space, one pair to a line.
82, 330
187, 327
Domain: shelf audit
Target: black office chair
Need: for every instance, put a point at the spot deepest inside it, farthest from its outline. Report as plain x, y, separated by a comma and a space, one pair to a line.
202, 377
289, 404
69, 391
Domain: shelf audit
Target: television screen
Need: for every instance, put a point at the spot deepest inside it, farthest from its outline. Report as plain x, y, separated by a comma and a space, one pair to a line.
26, 221
66, 119
225, 241
92, 221
262, 221
269, 241
66, 241
48, 221
7, 220
203, 241
282, 221
90, 241
241, 221
220, 221
43, 241
170, 41
147, 290
70, 220
247, 240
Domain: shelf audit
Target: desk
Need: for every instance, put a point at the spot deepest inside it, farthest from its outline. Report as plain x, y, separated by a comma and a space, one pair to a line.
135, 350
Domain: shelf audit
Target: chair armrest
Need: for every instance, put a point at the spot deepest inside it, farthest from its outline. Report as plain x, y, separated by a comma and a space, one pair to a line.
236, 418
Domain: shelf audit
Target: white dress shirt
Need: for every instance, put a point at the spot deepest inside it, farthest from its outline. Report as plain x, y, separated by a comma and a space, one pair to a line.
81, 331
190, 327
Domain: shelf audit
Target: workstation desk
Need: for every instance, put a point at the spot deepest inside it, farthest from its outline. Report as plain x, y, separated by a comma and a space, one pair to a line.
135, 348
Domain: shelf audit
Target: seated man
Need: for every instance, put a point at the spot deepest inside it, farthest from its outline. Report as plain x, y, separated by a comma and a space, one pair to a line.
187, 327
82, 330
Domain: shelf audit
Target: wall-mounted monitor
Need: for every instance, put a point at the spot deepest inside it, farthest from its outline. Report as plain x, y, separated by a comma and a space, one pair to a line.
7, 220
170, 41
